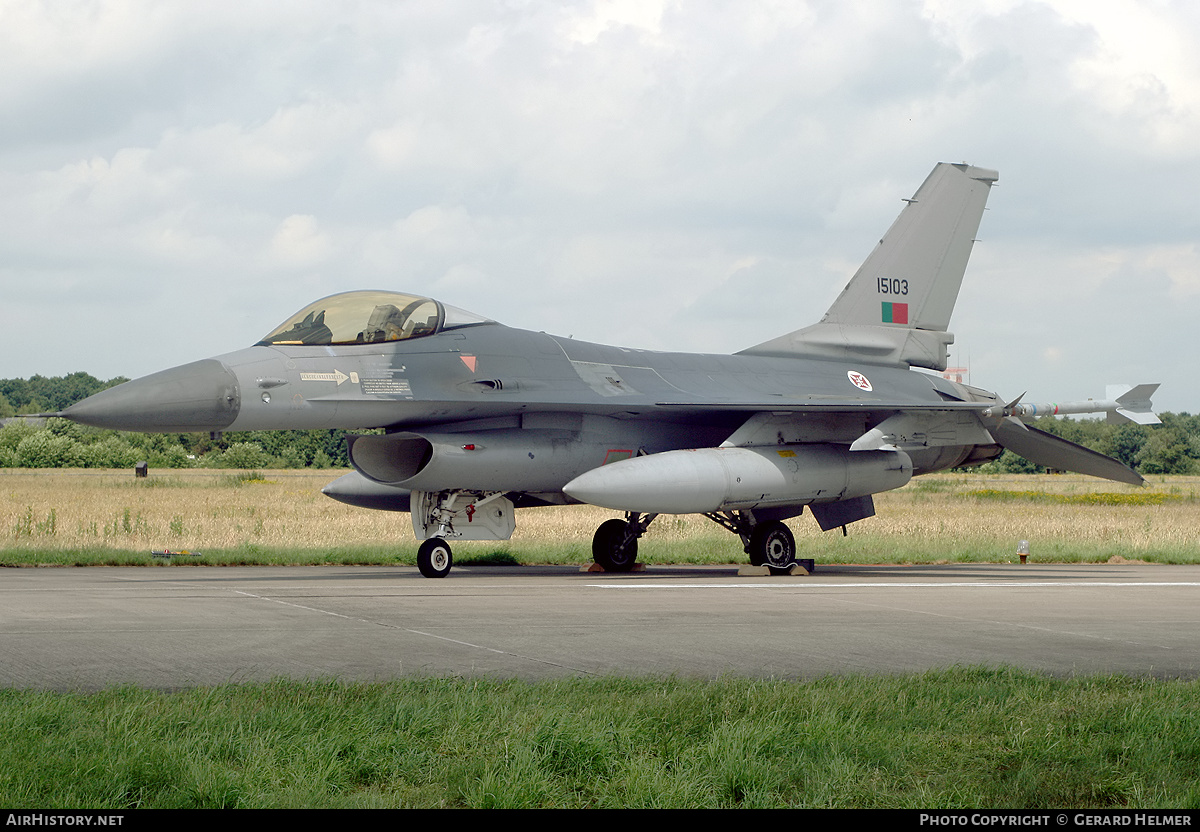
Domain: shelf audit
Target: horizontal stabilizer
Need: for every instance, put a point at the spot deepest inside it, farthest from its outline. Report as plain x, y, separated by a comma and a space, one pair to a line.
1051, 451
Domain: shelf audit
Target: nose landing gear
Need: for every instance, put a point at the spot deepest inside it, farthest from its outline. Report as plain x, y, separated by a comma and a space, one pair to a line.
434, 558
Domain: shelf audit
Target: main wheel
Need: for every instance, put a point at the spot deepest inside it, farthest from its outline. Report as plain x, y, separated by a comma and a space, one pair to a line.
610, 549
434, 558
772, 544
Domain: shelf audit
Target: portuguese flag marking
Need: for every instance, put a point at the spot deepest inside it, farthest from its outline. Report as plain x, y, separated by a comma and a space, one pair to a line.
895, 313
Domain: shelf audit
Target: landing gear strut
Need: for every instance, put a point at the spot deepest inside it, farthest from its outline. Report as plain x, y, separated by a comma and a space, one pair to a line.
769, 543
462, 515
615, 544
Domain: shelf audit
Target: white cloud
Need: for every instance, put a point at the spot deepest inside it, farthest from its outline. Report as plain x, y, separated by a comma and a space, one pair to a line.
299, 243
605, 15
1179, 263
708, 175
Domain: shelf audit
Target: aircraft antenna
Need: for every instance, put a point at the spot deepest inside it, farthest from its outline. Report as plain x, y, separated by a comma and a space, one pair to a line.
956, 374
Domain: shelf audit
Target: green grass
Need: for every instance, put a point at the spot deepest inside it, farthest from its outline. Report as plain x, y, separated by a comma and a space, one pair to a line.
947, 739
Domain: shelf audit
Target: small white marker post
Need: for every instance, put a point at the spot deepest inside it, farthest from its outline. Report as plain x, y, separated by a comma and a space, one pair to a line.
1023, 550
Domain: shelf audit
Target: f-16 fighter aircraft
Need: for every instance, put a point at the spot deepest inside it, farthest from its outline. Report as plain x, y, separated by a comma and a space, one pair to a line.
481, 419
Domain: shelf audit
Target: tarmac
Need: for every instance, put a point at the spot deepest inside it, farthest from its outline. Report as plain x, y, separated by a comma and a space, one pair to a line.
176, 627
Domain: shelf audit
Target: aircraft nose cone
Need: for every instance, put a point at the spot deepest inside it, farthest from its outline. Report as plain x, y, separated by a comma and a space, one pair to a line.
201, 396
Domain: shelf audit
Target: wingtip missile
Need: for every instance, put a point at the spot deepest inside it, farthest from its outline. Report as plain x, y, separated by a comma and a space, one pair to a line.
1122, 403
1133, 404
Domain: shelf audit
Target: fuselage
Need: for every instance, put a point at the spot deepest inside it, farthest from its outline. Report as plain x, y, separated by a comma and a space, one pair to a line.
489, 376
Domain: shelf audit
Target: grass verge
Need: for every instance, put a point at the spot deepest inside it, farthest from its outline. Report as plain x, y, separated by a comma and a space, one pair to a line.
965, 737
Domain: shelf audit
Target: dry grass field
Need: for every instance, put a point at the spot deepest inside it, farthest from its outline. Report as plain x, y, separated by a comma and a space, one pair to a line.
89, 516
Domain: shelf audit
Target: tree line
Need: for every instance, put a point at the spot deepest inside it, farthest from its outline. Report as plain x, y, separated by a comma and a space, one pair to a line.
1170, 448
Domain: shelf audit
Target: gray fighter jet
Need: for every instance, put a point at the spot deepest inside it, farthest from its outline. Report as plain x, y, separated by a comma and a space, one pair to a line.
481, 419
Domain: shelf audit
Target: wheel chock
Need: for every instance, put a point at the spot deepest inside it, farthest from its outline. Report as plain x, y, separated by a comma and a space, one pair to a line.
800, 567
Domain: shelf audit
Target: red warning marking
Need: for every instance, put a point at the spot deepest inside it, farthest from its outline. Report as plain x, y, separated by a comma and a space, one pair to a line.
470, 361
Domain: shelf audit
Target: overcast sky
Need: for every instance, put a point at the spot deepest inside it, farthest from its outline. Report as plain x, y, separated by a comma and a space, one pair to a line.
177, 178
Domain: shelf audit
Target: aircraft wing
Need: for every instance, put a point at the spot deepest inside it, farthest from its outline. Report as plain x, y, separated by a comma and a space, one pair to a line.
1035, 445
1051, 451
829, 405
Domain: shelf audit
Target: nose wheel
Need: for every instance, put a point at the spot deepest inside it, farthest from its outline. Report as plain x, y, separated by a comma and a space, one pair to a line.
434, 558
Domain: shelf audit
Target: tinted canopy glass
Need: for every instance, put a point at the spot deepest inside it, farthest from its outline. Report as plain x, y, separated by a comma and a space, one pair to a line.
368, 318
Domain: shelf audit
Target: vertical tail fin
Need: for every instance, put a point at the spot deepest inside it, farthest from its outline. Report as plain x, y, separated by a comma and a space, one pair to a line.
897, 306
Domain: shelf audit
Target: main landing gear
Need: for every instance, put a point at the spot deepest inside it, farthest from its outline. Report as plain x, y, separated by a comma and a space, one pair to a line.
615, 543
772, 544
769, 543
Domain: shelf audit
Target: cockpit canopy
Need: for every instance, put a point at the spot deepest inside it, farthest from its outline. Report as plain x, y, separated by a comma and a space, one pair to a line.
369, 318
